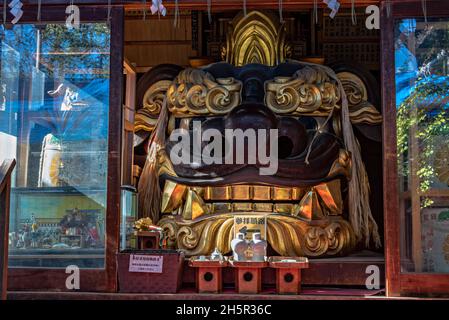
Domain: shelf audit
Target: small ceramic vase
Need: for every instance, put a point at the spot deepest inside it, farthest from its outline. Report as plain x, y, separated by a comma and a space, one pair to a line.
258, 247
216, 255
239, 245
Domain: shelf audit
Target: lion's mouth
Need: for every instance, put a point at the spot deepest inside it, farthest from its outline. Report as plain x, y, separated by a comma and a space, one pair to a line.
310, 203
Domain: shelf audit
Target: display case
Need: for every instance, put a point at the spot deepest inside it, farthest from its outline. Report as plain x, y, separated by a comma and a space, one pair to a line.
128, 239
416, 64
60, 118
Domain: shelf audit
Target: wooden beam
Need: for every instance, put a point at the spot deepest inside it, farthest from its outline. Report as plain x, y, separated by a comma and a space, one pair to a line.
129, 67
5, 193
390, 176
201, 4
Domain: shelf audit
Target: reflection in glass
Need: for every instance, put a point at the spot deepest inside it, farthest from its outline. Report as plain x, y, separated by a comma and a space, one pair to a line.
128, 205
54, 121
422, 101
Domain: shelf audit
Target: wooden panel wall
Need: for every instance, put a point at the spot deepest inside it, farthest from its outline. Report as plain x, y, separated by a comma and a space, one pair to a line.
155, 40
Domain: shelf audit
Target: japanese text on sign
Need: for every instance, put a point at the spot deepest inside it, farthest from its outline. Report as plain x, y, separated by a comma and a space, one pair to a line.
145, 263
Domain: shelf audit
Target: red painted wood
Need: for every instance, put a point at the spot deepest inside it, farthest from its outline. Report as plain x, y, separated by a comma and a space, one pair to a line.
288, 281
209, 280
209, 277
248, 280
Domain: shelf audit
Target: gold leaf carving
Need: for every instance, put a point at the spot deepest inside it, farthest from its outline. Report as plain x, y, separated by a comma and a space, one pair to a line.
197, 92
307, 91
288, 235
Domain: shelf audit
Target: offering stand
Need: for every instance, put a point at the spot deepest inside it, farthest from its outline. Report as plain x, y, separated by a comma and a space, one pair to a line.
288, 273
248, 275
208, 274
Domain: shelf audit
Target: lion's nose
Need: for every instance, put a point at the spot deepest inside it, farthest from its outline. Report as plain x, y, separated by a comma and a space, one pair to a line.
251, 116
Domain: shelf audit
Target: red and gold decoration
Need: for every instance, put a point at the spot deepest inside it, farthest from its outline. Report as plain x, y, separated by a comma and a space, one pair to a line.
316, 205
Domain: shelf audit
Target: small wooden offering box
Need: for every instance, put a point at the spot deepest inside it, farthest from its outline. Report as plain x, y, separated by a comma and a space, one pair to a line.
208, 274
148, 239
288, 273
248, 275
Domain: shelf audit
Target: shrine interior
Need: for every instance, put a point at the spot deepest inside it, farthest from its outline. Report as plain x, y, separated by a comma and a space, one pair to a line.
200, 40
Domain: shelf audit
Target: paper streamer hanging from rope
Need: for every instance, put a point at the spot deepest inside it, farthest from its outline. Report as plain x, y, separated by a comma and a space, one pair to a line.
353, 13
4, 12
281, 5
424, 9
388, 8
209, 9
334, 5
315, 11
176, 22
109, 11
39, 4
144, 15
158, 7
244, 8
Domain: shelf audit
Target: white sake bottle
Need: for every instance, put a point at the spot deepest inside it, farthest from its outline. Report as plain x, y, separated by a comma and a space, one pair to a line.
258, 247
239, 245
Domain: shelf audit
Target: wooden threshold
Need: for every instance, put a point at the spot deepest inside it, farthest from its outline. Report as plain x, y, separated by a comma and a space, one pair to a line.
326, 295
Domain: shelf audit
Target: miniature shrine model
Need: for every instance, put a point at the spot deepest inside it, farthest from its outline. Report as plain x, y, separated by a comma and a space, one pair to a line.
256, 151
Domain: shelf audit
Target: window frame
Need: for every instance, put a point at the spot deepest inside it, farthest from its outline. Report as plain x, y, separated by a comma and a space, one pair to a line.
398, 282
100, 280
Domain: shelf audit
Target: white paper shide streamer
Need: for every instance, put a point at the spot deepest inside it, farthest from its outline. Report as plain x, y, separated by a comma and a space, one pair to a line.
176, 21
209, 10
315, 11
158, 7
353, 13
281, 8
334, 5
424, 9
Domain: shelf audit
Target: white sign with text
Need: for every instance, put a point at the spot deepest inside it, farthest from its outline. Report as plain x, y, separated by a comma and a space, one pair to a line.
145, 263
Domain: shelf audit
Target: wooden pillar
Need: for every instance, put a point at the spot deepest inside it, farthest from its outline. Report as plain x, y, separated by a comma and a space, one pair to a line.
5, 191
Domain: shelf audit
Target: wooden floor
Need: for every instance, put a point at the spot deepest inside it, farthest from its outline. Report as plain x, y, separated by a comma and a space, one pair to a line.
348, 270
329, 295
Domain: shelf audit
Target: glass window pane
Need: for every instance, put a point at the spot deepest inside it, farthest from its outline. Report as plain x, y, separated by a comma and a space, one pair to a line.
422, 102
54, 109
